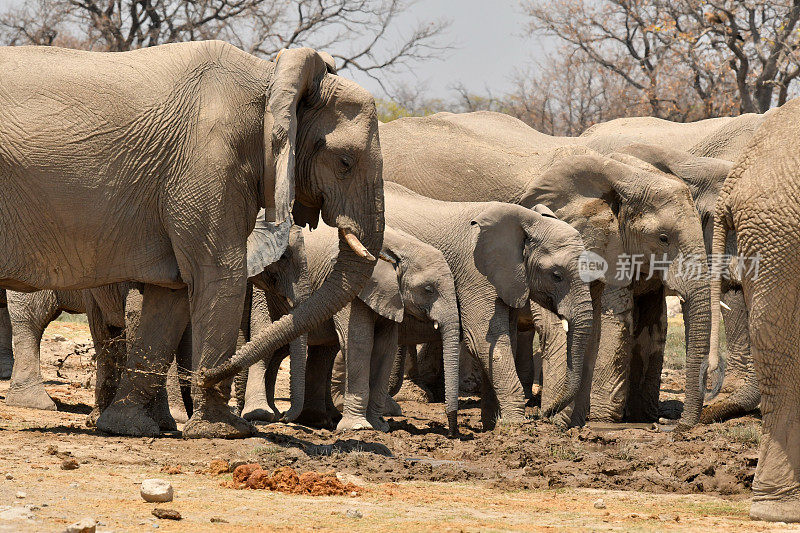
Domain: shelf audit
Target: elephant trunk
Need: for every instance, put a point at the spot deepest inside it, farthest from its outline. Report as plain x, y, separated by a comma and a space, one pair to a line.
578, 312
697, 314
349, 274
450, 328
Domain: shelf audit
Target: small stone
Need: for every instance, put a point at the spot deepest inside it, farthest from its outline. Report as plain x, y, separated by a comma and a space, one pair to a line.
151, 440
166, 514
354, 513
599, 504
217, 520
69, 464
21, 495
74, 485
87, 525
52, 449
9, 476
156, 490
59, 338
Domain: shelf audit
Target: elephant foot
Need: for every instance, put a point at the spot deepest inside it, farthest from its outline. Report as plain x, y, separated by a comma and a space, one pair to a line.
259, 410
121, 418
353, 423
378, 422
159, 411
32, 396
214, 420
783, 510
392, 408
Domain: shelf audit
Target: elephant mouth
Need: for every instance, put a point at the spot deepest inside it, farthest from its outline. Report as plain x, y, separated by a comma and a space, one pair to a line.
305, 215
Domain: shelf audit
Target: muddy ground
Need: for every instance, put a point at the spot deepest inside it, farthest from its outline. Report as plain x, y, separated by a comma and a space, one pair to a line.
529, 476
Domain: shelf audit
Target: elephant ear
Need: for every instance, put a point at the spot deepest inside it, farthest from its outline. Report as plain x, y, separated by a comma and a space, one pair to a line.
266, 243
498, 251
544, 211
382, 291
297, 73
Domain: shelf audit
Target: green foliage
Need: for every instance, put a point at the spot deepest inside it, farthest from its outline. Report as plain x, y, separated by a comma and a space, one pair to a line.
675, 349
389, 110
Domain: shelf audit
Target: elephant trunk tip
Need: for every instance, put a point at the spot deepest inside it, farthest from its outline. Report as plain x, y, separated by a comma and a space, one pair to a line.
452, 425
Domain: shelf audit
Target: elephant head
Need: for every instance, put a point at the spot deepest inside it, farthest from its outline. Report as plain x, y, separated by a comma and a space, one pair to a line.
321, 149
623, 209
415, 278
526, 255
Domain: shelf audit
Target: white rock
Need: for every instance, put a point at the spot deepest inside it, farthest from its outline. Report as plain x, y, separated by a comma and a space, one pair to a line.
9, 476
16, 512
87, 525
156, 490
21, 495
354, 513
350, 478
600, 504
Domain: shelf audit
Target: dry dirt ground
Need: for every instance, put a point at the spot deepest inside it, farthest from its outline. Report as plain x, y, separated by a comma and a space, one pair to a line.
528, 477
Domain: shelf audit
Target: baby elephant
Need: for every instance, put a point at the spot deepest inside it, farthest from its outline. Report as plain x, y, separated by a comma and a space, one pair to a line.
413, 282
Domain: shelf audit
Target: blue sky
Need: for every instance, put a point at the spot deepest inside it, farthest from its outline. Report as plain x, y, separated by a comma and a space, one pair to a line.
490, 41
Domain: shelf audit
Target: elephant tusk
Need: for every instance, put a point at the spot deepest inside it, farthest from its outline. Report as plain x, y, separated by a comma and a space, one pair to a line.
565, 325
435, 324
724, 305
384, 257
353, 242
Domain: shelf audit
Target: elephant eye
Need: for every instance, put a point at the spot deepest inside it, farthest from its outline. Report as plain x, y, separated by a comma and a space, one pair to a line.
429, 289
557, 277
345, 163
663, 238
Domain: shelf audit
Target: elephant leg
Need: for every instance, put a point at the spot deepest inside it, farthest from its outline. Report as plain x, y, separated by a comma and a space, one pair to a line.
338, 375
610, 382
316, 411
776, 486
6, 352
355, 326
152, 342
553, 345
174, 397
255, 395
523, 359
384, 349
30, 314
271, 377
647, 356
746, 396
396, 380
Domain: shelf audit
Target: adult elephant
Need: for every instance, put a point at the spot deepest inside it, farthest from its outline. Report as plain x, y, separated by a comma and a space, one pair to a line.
759, 201
150, 166
413, 284
617, 207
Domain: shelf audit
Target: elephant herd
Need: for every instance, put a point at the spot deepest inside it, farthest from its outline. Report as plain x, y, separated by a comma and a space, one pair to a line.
173, 194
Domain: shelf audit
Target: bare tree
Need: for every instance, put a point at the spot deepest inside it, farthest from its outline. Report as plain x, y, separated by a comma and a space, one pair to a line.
689, 58
360, 34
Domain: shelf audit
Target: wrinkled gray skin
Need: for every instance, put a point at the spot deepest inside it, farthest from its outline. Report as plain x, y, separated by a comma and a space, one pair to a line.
502, 256
617, 207
759, 201
417, 287
210, 134
726, 140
